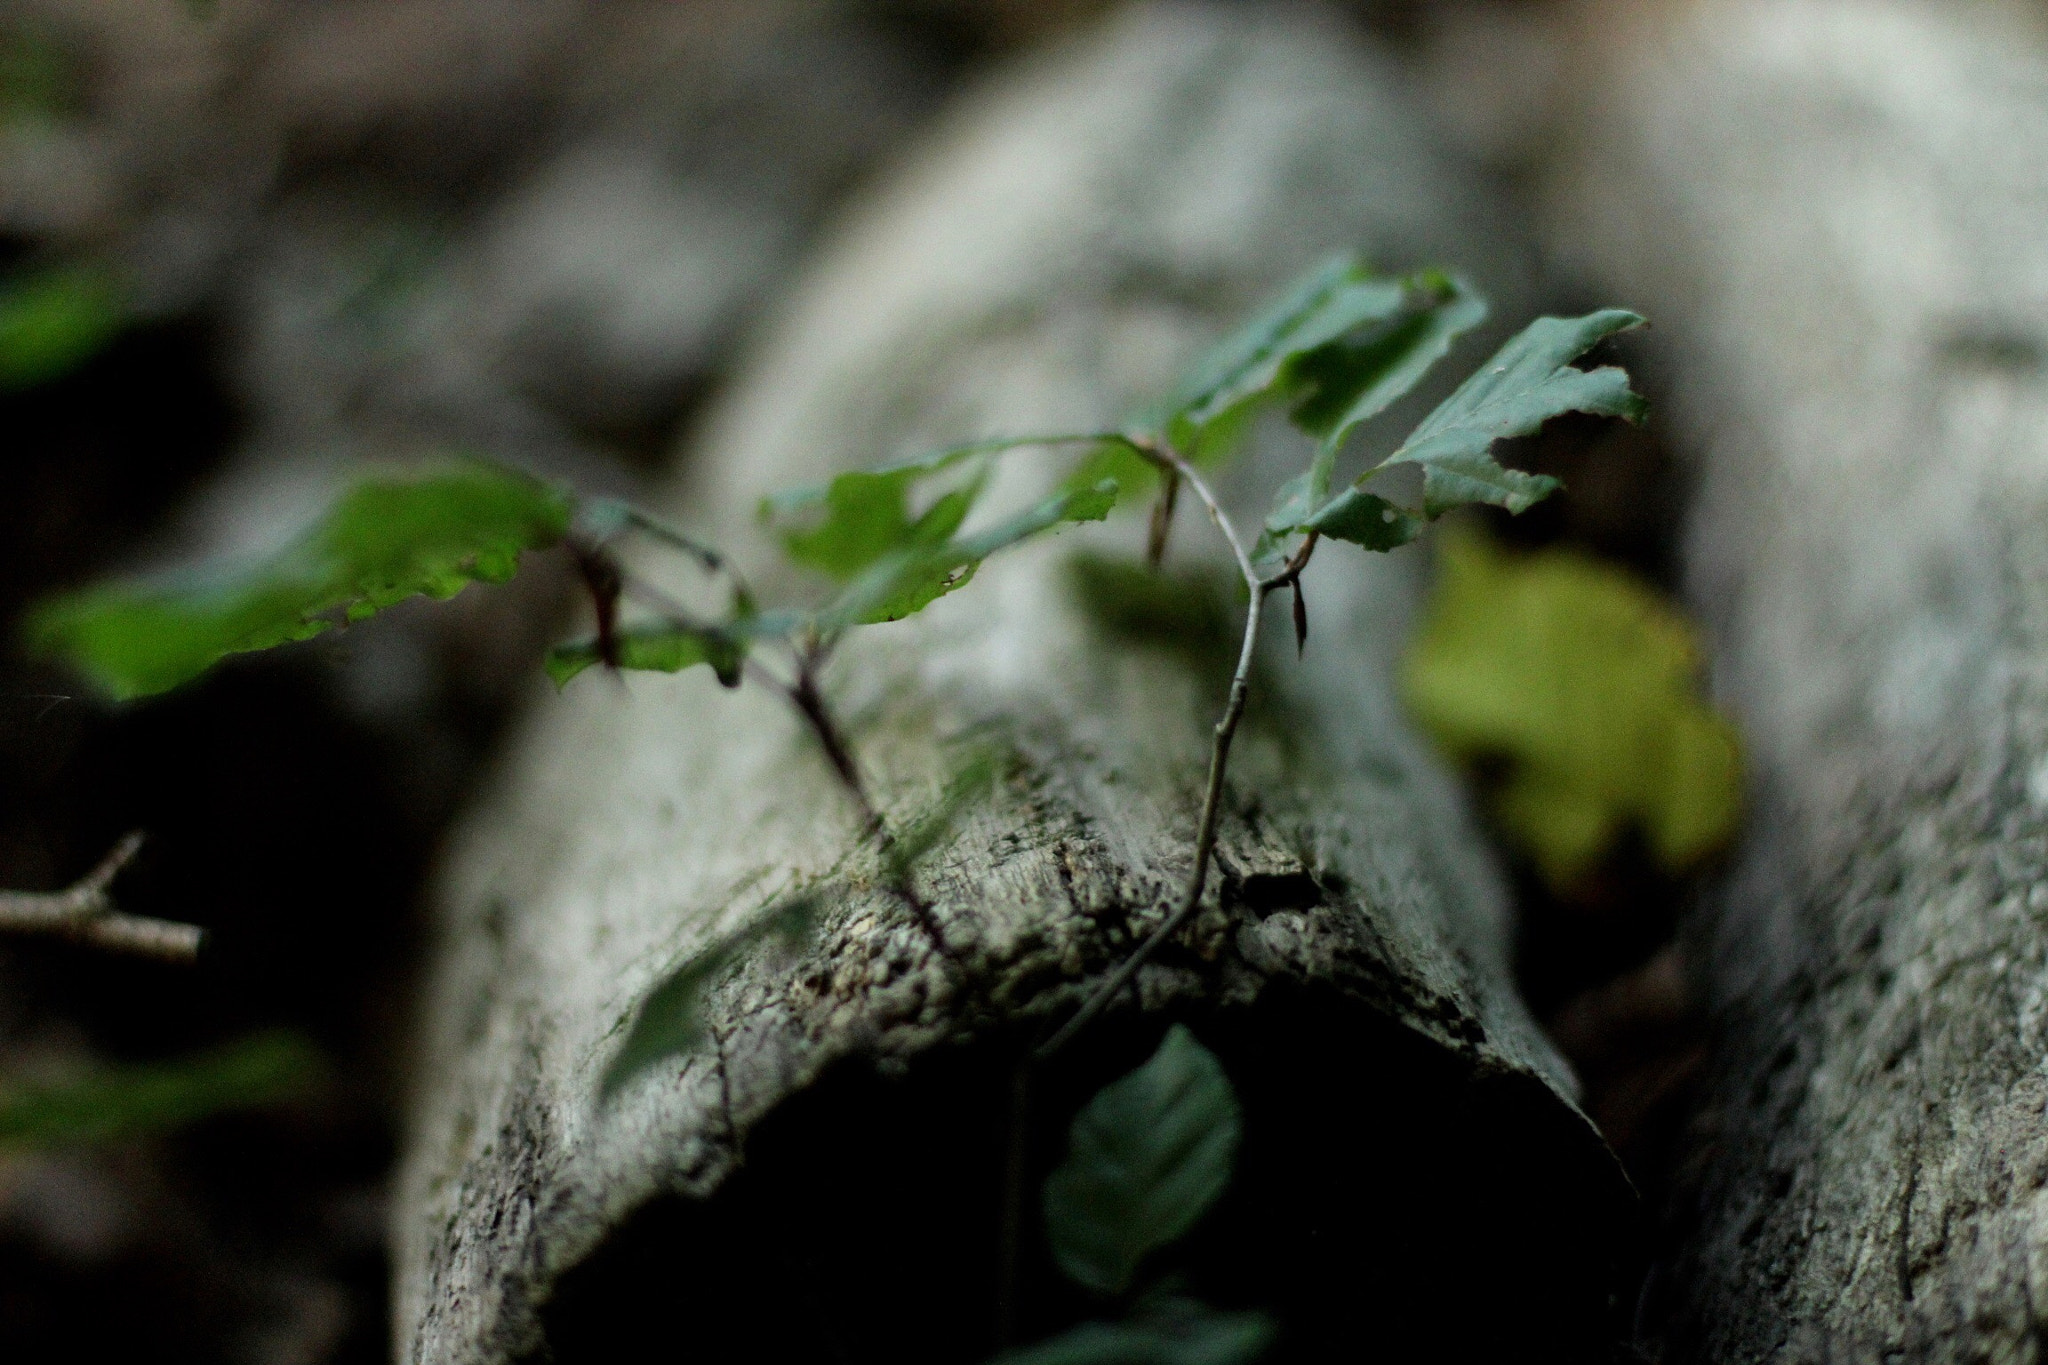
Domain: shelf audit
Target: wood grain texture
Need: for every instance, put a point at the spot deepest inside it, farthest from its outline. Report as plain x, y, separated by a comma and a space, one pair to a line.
1837, 215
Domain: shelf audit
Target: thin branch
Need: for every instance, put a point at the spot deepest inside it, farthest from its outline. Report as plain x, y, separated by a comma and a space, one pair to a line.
1290, 577
1162, 519
1219, 754
640, 590
85, 911
604, 580
1171, 463
710, 559
810, 704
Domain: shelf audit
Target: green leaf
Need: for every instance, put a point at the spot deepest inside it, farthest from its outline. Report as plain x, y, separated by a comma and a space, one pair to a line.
135, 1101
52, 321
1183, 1334
1584, 682
1366, 519
1246, 367
909, 580
1146, 1158
1529, 381
1350, 382
865, 516
669, 1022
385, 540
657, 649
1116, 463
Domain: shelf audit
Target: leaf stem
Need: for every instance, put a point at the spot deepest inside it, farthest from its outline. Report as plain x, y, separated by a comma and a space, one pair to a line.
1173, 465
640, 590
1162, 519
809, 702
85, 911
711, 560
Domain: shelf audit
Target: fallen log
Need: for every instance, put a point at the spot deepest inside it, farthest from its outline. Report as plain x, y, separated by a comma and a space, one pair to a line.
1835, 212
823, 1175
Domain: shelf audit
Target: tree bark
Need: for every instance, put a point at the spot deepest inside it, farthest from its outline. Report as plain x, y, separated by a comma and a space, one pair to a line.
1835, 214
823, 1176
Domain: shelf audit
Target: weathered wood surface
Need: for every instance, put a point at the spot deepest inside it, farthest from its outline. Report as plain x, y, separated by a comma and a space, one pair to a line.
1066, 240
1838, 213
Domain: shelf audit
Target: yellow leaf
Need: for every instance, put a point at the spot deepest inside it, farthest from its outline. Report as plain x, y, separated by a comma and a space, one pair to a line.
1583, 682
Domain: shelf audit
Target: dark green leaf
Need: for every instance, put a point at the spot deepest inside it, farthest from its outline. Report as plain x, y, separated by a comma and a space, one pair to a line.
1187, 1335
1349, 382
669, 1022
865, 516
658, 649
1245, 367
53, 321
385, 540
909, 580
1146, 1158
1366, 519
1297, 500
1354, 379
135, 1101
1528, 382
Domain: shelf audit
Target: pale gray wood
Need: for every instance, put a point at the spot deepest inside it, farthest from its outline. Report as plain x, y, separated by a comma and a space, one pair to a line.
1837, 216
1065, 240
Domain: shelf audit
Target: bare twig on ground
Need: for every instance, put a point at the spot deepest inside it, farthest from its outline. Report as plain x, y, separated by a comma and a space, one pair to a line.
85, 911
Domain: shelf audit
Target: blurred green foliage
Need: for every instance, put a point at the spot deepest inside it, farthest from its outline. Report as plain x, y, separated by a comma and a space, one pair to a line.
117, 1103
386, 539
54, 319
38, 81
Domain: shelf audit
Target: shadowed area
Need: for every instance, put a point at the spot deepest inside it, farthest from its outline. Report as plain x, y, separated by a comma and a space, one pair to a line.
1383, 1194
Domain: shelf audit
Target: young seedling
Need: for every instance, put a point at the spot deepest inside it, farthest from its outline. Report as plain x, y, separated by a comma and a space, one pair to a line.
1336, 351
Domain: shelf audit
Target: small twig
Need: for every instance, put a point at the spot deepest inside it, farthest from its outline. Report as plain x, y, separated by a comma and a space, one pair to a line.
708, 558
605, 582
803, 694
809, 702
1290, 577
680, 616
1162, 518
1171, 463
85, 911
